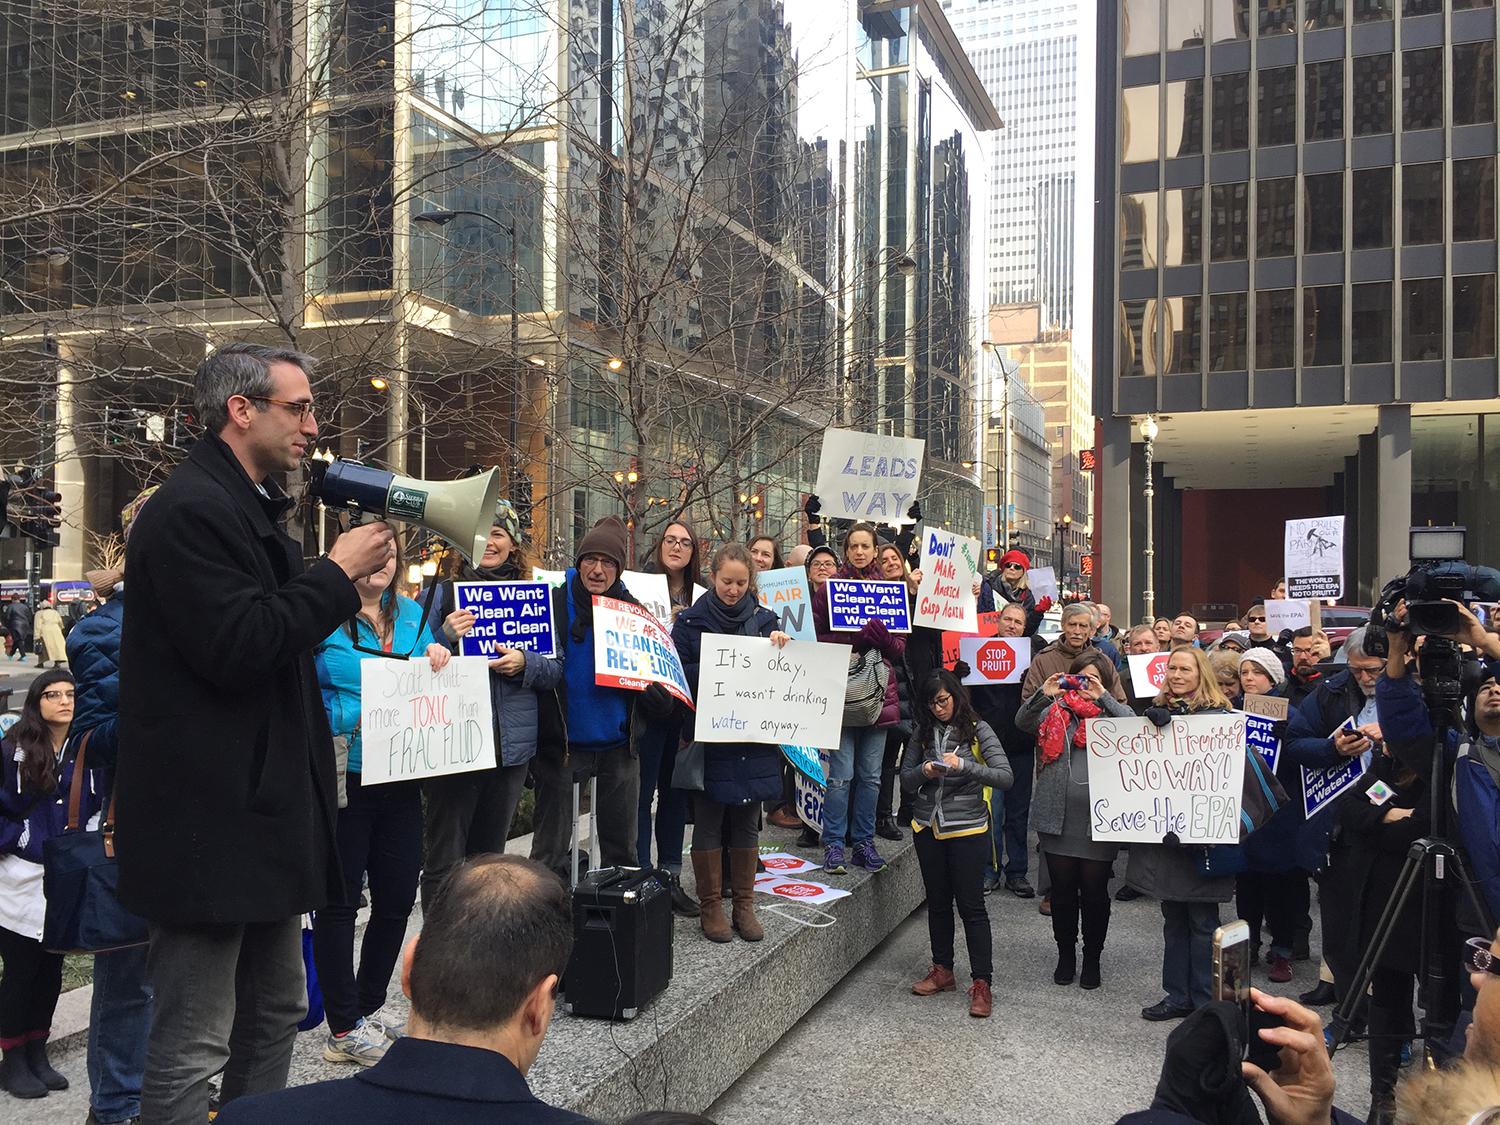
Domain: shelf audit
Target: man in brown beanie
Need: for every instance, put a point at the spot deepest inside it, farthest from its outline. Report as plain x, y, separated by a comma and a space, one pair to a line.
599, 720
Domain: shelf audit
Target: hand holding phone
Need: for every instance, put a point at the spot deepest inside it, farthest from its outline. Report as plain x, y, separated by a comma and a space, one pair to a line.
1298, 1086
1232, 972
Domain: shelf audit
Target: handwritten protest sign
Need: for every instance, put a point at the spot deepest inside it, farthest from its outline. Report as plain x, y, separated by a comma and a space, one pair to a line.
651, 591
633, 649
802, 890
785, 592
945, 598
1148, 671
1287, 613
1184, 778
810, 795
1314, 555
869, 476
995, 660
551, 577
854, 601
988, 625
1271, 706
1042, 582
1260, 736
506, 615
806, 760
417, 723
751, 691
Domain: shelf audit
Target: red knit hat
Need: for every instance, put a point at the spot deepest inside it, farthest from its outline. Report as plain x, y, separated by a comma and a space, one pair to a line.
1016, 557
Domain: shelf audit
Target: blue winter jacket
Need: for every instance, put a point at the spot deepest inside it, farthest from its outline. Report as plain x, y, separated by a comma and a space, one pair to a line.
28, 820
94, 657
598, 717
1307, 743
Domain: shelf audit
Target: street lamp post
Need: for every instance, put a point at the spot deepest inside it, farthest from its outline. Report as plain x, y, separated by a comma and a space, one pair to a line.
1060, 558
1149, 430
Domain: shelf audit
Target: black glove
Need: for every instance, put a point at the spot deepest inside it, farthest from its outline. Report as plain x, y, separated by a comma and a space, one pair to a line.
1279, 730
914, 513
960, 669
812, 508
657, 701
1159, 716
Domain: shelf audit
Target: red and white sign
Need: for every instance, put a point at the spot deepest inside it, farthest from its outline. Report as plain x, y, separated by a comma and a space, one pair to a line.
801, 890
995, 660
785, 863
632, 650
1148, 672
989, 625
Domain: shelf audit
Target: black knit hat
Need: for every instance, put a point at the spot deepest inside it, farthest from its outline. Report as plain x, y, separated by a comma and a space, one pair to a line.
609, 538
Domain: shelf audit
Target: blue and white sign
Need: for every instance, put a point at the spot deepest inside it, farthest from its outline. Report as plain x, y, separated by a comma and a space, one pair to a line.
991, 526
854, 601
810, 796
785, 592
869, 476
506, 615
808, 761
1321, 787
1260, 736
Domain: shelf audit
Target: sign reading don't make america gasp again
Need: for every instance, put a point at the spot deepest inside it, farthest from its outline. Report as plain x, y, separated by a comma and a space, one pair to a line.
417, 723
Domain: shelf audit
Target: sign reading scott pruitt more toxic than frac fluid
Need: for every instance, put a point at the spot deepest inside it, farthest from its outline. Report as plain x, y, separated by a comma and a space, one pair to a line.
854, 601
751, 691
506, 615
632, 650
869, 476
417, 723
945, 598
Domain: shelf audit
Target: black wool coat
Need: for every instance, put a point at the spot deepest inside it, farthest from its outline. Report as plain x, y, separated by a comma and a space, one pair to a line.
226, 791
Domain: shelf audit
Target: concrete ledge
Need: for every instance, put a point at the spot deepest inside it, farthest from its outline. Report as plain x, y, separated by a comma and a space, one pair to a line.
727, 1004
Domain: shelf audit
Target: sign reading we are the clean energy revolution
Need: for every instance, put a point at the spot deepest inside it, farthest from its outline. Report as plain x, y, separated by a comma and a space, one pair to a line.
751, 691
417, 723
633, 650
945, 597
506, 615
869, 476
854, 601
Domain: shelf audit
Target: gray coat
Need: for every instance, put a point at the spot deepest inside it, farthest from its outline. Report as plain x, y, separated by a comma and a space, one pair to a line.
954, 802
1049, 795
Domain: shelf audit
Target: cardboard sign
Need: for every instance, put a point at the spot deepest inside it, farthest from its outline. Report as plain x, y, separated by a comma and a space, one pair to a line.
1148, 672
786, 593
810, 795
786, 864
945, 598
802, 890
1314, 555
869, 476
854, 601
632, 649
651, 591
506, 615
806, 760
1271, 706
988, 625
1042, 582
417, 723
1260, 736
1287, 613
751, 691
995, 660
1184, 778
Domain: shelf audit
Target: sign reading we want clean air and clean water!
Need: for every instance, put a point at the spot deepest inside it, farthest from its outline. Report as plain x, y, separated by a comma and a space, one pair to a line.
506, 615
853, 601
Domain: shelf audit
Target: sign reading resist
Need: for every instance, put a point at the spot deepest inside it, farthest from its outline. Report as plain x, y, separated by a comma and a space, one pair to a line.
751, 691
416, 723
506, 615
854, 601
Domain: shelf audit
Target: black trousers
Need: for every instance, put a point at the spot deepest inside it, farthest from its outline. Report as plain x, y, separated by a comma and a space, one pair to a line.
1080, 888
1280, 898
29, 988
379, 833
895, 744
717, 825
1390, 1024
953, 872
468, 814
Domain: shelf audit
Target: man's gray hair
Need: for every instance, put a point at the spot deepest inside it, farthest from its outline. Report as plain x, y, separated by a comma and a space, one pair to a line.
238, 369
1076, 609
1354, 644
1139, 630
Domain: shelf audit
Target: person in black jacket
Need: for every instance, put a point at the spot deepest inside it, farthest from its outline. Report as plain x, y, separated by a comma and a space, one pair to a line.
226, 789
1009, 584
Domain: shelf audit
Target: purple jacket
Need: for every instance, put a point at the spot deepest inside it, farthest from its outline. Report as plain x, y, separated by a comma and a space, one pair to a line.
28, 820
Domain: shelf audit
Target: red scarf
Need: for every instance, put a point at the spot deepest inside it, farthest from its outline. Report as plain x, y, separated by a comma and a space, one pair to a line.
1052, 734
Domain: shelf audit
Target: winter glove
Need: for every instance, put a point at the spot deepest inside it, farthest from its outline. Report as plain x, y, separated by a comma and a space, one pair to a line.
812, 508
1044, 605
1159, 716
1279, 730
960, 669
914, 513
657, 701
875, 634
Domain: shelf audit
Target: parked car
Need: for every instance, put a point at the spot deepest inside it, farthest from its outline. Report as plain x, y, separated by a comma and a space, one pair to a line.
1338, 622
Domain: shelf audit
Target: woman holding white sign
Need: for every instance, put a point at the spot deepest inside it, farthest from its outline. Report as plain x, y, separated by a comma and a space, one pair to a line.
379, 828
1061, 810
1174, 873
737, 777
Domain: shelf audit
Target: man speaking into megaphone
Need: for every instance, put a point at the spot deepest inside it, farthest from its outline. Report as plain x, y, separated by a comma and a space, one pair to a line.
226, 791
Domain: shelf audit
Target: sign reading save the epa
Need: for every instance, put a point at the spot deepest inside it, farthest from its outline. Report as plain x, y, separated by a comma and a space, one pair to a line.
506, 615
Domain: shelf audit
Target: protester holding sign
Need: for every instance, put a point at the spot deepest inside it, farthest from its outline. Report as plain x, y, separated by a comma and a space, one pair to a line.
919, 646
1062, 813
1140, 641
737, 776
1175, 873
379, 827
1008, 584
952, 759
859, 755
468, 814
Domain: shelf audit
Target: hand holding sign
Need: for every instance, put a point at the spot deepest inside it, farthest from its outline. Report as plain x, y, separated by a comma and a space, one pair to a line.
1148, 672
869, 476
950, 567
416, 723
852, 602
751, 690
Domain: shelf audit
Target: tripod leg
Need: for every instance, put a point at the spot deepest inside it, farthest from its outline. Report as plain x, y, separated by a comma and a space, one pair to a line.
573, 849
1411, 872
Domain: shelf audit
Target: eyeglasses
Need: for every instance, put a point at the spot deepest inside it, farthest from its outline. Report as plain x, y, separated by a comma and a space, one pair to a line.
941, 700
300, 409
825, 564
1014, 566
1479, 959
1254, 618
54, 696
675, 541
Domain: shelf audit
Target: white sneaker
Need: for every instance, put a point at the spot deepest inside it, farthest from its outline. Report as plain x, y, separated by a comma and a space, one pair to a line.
387, 1022
365, 1045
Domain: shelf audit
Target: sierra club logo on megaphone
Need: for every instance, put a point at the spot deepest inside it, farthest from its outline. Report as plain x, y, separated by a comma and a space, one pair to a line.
406, 503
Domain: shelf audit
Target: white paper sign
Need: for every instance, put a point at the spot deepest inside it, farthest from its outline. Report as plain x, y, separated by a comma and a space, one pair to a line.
995, 660
1286, 613
551, 577
415, 723
1043, 583
633, 650
945, 599
1184, 778
751, 691
869, 476
786, 864
651, 591
1148, 672
1315, 557
801, 890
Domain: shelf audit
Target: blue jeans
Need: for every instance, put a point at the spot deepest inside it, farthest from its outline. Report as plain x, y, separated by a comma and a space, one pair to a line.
1187, 962
858, 760
119, 1024
658, 750
1010, 812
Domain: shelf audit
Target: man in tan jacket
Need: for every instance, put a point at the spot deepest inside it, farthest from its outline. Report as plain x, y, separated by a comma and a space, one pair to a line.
1077, 633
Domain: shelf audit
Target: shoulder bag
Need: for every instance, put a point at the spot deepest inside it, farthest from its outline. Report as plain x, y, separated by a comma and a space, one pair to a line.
865, 694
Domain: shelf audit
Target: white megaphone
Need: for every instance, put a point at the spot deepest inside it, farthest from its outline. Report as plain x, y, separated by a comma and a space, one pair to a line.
461, 511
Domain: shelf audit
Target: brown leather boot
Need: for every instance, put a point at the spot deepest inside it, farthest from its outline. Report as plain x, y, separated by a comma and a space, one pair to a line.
938, 979
708, 870
742, 863
981, 1002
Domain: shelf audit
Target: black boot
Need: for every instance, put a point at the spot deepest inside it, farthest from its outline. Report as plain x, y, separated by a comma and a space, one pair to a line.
1065, 933
1095, 930
1386, 1037
16, 1077
682, 902
41, 1066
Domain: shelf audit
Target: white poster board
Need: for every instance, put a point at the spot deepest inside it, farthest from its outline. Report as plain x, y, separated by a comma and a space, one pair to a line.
945, 598
1314, 555
651, 591
800, 890
751, 691
869, 476
1287, 613
1184, 779
1042, 581
417, 723
1148, 672
995, 660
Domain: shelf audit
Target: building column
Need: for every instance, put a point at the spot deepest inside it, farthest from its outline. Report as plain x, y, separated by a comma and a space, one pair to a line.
1112, 530
68, 555
1392, 493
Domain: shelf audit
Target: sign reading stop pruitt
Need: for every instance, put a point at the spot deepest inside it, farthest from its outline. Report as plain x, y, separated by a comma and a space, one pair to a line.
1148, 672
995, 660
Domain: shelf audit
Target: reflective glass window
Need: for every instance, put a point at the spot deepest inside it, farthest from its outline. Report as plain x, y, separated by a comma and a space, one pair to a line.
1370, 322
1422, 203
1368, 11
1275, 329
1323, 13
1323, 213
1422, 318
1465, 5
1231, 123
1229, 19
1277, 17
1474, 199
1138, 231
1229, 221
1139, 124
1421, 7
1323, 326
1137, 351
1184, 335
1227, 331
1186, 21
1140, 29
1372, 218
1474, 83
1372, 95
1325, 101
1182, 225
1276, 217
1276, 106
1185, 110
1474, 316
1422, 88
